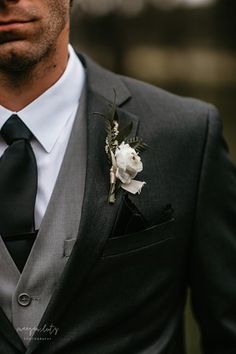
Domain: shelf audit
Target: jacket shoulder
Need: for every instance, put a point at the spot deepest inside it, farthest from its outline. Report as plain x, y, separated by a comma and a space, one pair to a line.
162, 108
167, 103
150, 103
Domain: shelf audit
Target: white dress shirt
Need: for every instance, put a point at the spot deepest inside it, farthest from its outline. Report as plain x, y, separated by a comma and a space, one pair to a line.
50, 118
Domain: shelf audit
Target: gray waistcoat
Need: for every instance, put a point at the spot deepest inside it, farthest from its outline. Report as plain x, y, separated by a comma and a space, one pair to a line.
55, 240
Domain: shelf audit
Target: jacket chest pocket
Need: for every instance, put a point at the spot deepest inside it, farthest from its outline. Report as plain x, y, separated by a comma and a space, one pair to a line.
129, 243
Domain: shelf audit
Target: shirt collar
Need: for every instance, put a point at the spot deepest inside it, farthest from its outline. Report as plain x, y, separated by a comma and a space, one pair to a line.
47, 115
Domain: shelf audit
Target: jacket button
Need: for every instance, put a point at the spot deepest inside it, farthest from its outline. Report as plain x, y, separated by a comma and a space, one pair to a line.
24, 299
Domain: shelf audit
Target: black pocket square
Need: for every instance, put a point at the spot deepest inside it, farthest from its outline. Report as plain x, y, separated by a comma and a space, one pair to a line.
129, 219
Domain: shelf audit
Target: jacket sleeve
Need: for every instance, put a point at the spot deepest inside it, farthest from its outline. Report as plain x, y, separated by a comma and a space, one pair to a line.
213, 252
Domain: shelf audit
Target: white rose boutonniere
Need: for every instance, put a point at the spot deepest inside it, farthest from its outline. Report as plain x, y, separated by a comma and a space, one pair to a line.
128, 163
123, 156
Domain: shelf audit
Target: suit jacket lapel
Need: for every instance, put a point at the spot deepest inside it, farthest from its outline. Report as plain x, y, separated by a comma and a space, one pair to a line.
97, 215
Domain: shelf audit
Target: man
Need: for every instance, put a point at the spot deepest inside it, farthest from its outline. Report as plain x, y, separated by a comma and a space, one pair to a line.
80, 275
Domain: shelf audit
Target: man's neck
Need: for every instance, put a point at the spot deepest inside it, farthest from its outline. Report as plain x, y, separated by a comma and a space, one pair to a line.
17, 95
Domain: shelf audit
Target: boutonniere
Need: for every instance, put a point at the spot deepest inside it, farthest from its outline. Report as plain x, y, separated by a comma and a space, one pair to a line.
123, 155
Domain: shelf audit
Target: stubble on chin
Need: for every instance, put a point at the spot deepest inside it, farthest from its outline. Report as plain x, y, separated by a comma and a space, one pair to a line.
17, 66
23, 55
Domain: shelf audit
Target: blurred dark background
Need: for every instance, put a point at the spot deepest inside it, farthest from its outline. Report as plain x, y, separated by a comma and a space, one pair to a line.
185, 46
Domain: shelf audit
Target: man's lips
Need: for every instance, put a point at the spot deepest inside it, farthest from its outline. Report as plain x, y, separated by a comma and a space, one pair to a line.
13, 24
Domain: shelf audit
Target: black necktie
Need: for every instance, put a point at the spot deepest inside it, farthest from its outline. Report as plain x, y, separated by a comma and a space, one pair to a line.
18, 187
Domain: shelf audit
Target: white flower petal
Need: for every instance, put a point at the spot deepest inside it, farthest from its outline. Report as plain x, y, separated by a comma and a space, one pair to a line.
128, 163
133, 187
123, 176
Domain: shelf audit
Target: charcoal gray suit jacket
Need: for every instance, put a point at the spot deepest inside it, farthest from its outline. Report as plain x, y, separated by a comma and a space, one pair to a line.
124, 287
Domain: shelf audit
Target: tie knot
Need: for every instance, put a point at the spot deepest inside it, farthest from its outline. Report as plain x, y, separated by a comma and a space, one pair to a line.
14, 129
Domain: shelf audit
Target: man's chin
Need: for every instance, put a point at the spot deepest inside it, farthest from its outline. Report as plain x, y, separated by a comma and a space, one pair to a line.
15, 57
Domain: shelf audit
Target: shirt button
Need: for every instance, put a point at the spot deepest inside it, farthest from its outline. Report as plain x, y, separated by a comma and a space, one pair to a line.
24, 299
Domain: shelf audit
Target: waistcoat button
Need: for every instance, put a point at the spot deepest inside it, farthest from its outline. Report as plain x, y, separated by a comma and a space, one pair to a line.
24, 299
